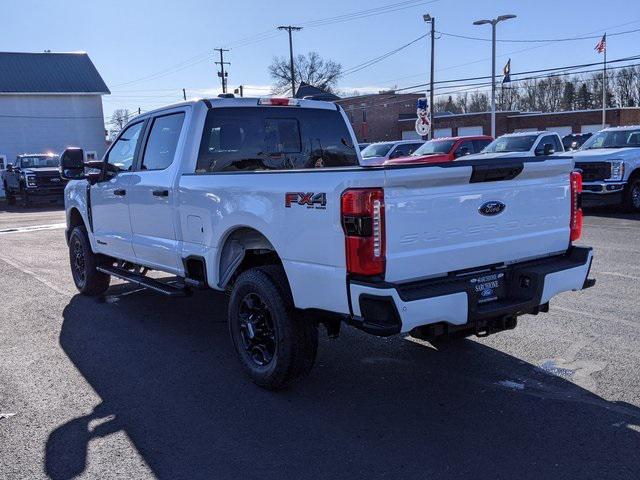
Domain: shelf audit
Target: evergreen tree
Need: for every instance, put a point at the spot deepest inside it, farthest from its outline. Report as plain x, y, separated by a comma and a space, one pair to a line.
584, 101
568, 96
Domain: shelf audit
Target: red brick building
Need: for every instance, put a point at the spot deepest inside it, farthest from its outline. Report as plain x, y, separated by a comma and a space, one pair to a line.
391, 116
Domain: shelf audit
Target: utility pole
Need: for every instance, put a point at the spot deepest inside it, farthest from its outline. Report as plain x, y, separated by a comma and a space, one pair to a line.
432, 20
184, 94
239, 90
222, 74
290, 28
493, 23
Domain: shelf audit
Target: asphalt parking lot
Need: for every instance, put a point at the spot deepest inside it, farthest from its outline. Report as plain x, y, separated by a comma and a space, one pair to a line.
134, 385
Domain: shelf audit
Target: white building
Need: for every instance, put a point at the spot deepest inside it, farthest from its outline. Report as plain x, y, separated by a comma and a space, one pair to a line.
49, 101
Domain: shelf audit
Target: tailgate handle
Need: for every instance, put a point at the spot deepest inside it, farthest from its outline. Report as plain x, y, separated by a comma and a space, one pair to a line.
495, 173
120, 192
160, 193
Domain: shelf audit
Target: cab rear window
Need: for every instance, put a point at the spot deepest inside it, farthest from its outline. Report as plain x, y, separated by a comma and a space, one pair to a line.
274, 138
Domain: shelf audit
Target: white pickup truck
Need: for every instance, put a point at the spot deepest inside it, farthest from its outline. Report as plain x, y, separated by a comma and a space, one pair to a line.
265, 198
522, 144
610, 166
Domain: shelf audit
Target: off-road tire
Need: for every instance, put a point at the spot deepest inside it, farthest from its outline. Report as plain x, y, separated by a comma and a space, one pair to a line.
89, 281
295, 342
632, 195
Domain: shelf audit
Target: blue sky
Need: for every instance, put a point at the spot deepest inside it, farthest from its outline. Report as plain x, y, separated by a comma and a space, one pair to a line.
147, 51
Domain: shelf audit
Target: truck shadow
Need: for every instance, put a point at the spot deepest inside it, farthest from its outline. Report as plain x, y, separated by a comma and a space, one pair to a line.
372, 408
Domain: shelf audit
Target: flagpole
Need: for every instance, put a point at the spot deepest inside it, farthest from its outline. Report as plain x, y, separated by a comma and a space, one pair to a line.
604, 85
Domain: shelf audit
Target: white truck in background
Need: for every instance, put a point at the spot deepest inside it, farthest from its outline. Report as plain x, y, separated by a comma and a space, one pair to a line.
610, 166
266, 198
522, 144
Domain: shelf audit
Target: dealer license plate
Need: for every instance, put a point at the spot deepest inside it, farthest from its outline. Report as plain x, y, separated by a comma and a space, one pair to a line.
488, 287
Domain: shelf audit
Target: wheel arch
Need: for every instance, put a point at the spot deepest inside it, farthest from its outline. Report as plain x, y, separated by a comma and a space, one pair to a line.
74, 219
243, 247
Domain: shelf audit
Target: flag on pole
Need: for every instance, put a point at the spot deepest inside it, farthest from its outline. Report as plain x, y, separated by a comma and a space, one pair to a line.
506, 71
601, 47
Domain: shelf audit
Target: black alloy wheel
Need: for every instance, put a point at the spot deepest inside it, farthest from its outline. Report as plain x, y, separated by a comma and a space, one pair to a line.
257, 329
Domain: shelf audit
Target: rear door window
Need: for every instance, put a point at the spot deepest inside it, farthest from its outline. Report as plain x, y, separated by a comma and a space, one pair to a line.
274, 138
162, 142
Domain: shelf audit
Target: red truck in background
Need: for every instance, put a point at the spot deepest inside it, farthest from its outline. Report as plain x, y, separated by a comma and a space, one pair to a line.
444, 150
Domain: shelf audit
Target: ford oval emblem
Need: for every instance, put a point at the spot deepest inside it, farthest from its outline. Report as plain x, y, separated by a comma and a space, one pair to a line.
489, 209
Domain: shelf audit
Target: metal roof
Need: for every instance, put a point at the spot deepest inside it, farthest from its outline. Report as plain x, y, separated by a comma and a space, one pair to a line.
49, 73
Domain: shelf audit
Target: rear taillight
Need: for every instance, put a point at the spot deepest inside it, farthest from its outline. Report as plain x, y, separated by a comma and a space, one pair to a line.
363, 223
575, 225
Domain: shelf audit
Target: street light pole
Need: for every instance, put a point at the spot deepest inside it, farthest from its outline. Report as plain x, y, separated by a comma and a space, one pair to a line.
493, 79
290, 28
432, 20
493, 22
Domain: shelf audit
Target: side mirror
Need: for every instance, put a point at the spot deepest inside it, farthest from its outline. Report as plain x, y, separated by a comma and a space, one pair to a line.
461, 152
72, 164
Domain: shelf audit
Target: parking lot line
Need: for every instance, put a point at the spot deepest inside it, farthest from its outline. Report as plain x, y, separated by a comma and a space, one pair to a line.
33, 228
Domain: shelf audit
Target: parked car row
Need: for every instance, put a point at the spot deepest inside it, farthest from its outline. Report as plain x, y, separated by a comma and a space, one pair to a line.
609, 160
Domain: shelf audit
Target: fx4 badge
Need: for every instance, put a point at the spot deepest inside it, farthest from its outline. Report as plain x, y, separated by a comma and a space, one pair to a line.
311, 200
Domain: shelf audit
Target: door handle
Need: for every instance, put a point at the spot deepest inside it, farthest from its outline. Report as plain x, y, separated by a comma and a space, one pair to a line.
160, 193
120, 192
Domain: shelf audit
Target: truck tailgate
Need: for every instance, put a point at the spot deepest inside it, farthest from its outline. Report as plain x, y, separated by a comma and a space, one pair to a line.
436, 223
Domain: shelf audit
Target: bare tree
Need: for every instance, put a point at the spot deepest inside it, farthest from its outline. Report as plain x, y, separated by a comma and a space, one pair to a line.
310, 68
479, 102
119, 118
624, 88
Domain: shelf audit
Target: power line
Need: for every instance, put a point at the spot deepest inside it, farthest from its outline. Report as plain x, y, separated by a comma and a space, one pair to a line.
269, 34
475, 86
548, 40
567, 67
378, 59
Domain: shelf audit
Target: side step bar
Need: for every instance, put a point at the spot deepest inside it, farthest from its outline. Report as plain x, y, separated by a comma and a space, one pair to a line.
144, 281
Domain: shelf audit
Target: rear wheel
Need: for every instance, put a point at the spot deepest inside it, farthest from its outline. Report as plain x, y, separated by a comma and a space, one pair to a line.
632, 195
275, 346
88, 280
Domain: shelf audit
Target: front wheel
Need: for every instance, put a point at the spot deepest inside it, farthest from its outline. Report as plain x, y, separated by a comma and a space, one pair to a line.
275, 346
88, 280
632, 196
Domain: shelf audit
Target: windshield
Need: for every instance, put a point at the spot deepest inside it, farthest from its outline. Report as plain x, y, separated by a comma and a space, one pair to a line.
520, 143
376, 150
38, 162
434, 146
613, 139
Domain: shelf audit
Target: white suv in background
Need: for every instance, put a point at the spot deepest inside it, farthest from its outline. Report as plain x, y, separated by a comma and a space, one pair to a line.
378, 153
522, 144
